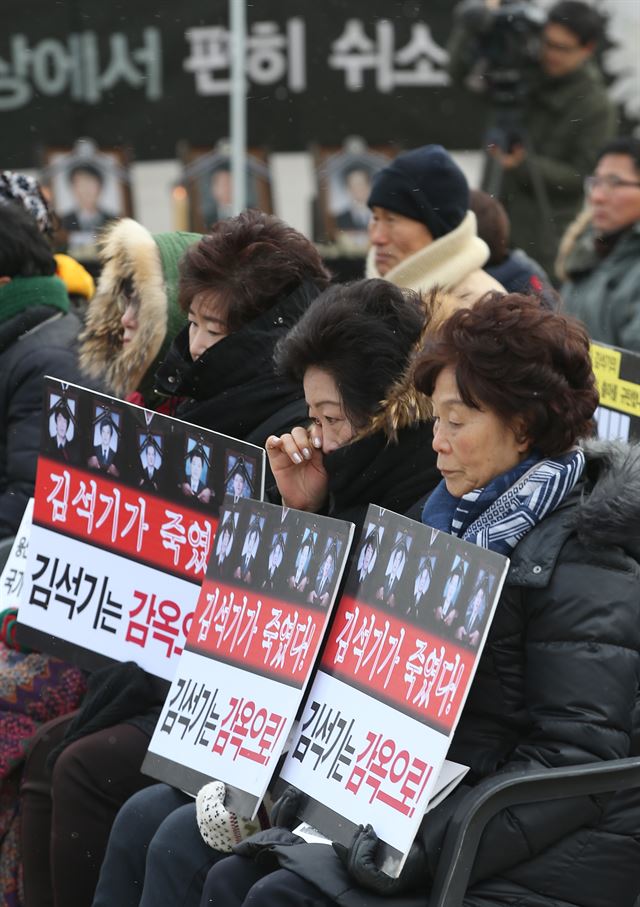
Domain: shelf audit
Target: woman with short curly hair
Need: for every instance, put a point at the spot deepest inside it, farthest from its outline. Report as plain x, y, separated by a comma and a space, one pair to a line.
513, 394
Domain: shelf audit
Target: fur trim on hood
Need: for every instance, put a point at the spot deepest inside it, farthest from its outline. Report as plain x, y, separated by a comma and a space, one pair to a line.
610, 513
129, 250
567, 244
404, 404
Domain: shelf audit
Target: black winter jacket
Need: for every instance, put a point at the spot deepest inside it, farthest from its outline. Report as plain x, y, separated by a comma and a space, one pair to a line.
557, 685
37, 342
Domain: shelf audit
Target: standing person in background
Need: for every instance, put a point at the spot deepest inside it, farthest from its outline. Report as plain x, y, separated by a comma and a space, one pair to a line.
600, 253
562, 115
422, 233
134, 315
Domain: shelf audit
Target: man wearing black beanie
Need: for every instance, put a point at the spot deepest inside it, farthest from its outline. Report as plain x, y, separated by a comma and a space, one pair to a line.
422, 232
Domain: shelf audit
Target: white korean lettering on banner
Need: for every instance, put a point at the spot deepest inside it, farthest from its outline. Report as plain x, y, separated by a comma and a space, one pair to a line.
271, 55
420, 63
77, 66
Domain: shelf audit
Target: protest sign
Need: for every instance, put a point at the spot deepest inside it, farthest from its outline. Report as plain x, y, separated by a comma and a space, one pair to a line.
617, 374
259, 623
12, 578
392, 681
126, 507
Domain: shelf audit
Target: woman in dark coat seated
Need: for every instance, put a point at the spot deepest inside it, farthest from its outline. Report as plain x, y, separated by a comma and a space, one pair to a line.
513, 391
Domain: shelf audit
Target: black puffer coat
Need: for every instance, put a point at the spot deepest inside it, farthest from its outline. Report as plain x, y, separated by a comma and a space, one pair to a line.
39, 341
557, 685
233, 388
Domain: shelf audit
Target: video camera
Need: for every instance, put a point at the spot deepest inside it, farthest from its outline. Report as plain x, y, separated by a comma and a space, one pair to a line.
509, 42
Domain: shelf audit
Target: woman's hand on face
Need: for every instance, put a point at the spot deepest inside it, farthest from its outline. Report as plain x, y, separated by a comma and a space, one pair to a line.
296, 463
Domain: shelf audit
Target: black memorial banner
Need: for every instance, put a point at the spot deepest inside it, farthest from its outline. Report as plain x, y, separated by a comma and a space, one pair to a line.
147, 75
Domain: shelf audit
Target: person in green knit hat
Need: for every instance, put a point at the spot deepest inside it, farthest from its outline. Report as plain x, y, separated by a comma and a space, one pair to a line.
134, 314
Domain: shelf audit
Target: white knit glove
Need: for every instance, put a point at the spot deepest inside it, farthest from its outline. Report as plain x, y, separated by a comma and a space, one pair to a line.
220, 828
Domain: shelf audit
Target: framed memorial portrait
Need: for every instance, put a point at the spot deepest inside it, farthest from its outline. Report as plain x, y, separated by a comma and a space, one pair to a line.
206, 193
343, 184
89, 187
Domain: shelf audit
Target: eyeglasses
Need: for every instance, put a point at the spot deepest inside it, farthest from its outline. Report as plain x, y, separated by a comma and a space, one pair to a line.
561, 48
609, 182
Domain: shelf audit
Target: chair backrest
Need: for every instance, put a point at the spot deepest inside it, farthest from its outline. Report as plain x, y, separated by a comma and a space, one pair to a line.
498, 792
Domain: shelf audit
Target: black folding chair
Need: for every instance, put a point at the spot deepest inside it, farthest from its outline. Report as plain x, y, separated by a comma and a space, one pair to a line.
499, 792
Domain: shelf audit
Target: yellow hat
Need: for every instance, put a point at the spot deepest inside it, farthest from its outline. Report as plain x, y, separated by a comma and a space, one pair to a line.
75, 277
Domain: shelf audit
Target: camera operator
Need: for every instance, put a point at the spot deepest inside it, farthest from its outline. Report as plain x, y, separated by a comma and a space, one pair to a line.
550, 105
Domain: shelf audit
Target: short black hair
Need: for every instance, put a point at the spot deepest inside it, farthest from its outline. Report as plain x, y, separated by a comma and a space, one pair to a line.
24, 251
362, 334
87, 168
624, 144
582, 20
106, 423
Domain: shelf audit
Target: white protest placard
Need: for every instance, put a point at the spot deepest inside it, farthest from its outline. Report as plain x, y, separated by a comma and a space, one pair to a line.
393, 678
126, 508
259, 623
12, 579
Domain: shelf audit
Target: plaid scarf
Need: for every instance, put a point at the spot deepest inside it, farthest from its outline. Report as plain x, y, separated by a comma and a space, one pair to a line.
499, 515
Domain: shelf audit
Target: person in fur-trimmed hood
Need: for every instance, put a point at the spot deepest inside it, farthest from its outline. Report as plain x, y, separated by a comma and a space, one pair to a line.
134, 314
423, 234
512, 390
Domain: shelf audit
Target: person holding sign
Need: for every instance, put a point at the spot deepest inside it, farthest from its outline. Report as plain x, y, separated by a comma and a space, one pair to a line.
513, 392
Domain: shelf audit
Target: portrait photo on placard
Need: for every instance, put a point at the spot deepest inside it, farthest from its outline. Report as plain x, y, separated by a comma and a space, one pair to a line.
474, 609
322, 583
393, 583
300, 574
448, 610
105, 438
196, 471
62, 427
245, 570
363, 580
222, 566
239, 475
150, 459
